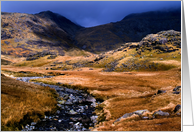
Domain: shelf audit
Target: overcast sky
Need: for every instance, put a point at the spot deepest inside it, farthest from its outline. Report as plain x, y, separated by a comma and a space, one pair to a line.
88, 13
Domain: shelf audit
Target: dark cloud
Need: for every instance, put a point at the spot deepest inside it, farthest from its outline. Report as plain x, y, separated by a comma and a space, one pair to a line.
89, 13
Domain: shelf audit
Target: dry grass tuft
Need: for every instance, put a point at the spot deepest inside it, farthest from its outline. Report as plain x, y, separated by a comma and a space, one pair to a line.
22, 102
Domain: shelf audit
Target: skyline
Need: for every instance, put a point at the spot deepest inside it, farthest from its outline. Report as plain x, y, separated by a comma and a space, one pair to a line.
89, 13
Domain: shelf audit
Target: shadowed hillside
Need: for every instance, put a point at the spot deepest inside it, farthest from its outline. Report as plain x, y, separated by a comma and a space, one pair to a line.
24, 34
130, 29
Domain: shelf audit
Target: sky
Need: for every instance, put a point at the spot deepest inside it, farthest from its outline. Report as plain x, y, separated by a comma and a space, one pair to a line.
89, 13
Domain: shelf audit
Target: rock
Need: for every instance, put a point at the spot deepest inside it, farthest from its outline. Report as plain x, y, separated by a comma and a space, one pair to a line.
75, 119
59, 105
177, 88
33, 123
71, 123
90, 99
93, 104
176, 92
86, 120
177, 108
145, 118
160, 113
140, 112
86, 106
161, 91
124, 116
72, 112
94, 119
61, 102
84, 129
68, 103
58, 111
66, 96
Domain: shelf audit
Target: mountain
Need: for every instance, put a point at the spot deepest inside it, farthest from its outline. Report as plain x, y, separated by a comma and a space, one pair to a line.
48, 32
24, 34
131, 28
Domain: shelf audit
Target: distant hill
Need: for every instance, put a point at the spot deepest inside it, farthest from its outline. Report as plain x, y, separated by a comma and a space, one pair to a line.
25, 34
131, 28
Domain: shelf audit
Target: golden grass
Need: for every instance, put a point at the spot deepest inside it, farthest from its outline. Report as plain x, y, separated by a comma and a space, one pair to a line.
125, 92
20, 100
164, 124
35, 63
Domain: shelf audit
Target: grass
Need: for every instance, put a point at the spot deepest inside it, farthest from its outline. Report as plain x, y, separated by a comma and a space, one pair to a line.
126, 89
22, 103
21, 73
5, 62
76, 87
35, 63
124, 92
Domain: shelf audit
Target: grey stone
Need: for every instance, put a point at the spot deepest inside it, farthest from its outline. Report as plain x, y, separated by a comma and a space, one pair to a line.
58, 111
68, 103
33, 123
160, 113
72, 112
140, 112
145, 118
61, 102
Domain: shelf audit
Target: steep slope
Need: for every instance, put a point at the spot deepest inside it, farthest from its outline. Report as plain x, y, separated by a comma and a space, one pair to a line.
132, 28
48, 32
24, 34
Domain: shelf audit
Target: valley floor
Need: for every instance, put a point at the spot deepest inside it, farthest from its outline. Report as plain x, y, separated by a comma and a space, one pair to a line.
124, 92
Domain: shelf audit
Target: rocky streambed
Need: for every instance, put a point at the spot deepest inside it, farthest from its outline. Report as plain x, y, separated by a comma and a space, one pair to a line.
76, 111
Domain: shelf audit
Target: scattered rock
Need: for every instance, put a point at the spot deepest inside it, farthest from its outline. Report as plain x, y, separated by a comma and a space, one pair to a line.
72, 112
176, 92
140, 112
33, 123
160, 113
161, 91
145, 118
177, 108
61, 102
177, 88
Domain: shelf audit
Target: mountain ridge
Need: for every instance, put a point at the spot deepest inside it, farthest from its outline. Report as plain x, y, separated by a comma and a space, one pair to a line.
53, 32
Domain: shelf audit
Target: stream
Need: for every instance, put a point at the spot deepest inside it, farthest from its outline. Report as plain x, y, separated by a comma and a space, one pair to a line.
76, 111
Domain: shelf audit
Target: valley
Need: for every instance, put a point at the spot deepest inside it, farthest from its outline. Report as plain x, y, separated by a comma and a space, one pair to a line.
137, 81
